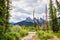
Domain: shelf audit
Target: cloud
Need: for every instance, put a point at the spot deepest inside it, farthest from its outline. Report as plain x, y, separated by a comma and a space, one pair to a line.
21, 9
40, 9
15, 0
31, 1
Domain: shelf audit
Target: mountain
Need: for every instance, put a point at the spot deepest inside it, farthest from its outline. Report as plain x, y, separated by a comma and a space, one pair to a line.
29, 19
20, 23
30, 22
41, 21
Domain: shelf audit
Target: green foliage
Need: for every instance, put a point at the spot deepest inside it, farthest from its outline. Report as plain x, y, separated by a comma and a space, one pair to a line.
16, 33
57, 34
59, 23
43, 35
4, 17
21, 31
2, 32
12, 35
54, 21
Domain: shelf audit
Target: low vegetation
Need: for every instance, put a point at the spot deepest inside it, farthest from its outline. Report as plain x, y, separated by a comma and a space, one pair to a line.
18, 32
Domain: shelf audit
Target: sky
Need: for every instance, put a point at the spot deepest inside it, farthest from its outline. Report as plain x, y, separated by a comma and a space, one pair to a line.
21, 9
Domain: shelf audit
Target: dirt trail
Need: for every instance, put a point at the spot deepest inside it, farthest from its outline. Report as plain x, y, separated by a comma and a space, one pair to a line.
55, 38
32, 36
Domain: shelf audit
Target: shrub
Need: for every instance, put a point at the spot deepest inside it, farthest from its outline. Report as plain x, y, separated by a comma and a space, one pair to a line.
16, 32
44, 35
57, 34
2, 32
12, 35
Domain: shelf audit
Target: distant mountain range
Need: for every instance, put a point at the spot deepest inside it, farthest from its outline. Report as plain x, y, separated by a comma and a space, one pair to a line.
29, 22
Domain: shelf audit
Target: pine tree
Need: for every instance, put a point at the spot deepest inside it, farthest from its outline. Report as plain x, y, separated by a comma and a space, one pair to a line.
51, 11
2, 18
53, 18
56, 28
7, 15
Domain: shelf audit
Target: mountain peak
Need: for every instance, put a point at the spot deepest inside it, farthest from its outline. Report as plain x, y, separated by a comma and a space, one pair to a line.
28, 19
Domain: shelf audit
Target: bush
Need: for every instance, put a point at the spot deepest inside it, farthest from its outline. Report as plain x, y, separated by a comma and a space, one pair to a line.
12, 35
15, 33
2, 32
57, 34
23, 33
44, 35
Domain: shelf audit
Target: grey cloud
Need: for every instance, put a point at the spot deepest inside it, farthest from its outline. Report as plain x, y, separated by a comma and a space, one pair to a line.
31, 1
19, 17
22, 11
15, 0
18, 9
40, 10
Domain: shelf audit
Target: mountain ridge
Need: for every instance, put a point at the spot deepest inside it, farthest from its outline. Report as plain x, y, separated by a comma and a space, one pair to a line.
28, 21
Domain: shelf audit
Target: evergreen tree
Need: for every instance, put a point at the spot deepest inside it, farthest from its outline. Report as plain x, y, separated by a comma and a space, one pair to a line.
53, 17
2, 18
51, 11
7, 15
55, 20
